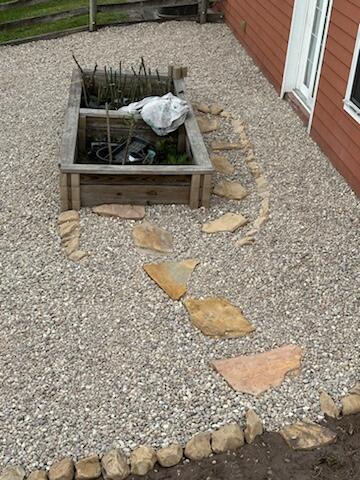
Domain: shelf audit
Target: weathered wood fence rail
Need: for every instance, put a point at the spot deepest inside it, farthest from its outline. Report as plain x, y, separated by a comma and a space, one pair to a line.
130, 11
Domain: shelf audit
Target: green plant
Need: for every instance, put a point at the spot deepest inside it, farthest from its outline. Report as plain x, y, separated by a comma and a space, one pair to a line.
167, 153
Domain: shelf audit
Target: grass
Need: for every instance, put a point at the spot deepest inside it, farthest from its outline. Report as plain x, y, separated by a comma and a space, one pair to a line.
58, 26
52, 6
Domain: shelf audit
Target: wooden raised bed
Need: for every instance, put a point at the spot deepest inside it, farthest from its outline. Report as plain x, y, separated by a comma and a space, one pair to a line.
87, 185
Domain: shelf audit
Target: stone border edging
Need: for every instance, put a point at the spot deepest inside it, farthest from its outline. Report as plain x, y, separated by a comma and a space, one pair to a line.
115, 465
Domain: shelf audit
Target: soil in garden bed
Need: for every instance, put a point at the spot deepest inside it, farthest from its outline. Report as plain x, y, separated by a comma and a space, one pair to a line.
269, 458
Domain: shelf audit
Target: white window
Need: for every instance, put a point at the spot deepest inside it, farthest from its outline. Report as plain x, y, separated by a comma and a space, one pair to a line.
352, 98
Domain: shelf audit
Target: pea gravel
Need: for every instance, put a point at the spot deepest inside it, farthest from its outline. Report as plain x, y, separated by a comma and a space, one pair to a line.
95, 355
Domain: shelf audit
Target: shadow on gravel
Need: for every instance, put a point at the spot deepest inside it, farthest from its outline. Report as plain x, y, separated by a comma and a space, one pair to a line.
270, 459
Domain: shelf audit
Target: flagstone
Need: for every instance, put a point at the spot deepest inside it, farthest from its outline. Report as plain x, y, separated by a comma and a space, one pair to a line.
222, 165
226, 223
128, 212
226, 146
68, 216
328, 406
206, 125
257, 373
231, 190
152, 237
217, 317
216, 109
247, 240
172, 277
307, 436
202, 107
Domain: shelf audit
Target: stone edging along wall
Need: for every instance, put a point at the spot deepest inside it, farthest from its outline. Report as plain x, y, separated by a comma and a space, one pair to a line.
115, 465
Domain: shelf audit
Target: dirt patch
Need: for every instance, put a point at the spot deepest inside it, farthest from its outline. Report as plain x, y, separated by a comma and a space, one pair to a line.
270, 458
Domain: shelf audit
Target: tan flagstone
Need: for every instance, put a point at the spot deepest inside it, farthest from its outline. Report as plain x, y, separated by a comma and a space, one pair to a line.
216, 109
128, 212
151, 237
226, 146
202, 107
226, 114
257, 373
226, 223
172, 277
68, 216
247, 240
350, 404
217, 317
238, 126
78, 255
328, 406
231, 190
222, 165
307, 436
67, 229
206, 125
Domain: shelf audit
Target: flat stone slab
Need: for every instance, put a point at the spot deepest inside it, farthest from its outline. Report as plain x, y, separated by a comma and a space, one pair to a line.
128, 212
255, 374
151, 237
206, 125
226, 146
231, 190
307, 436
226, 223
222, 165
172, 277
217, 317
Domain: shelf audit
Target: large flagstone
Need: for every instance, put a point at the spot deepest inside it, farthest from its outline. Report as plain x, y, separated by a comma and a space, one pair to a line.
231, 190
172, 277
226, 223
151, 237
257, 373
128, 212
307, 436
216, 317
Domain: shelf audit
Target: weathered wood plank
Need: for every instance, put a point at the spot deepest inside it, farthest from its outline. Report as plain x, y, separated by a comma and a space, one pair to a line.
64, 192
200, 154
92, 195
131, 5
75, 191
82, 135
195, 191
52, 17
176, 180
69, 138
206, 191
203, 7
135, 169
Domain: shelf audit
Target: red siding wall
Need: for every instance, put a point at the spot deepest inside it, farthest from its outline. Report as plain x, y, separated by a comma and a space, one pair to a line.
267, 31
337, 132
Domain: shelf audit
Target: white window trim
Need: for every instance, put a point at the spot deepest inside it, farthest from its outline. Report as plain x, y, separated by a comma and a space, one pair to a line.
349, 107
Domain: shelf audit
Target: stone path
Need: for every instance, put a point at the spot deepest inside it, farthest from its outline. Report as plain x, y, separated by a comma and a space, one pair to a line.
214, 317
99, 355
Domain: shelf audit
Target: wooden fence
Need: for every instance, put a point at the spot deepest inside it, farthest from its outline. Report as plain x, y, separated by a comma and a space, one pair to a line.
133, 9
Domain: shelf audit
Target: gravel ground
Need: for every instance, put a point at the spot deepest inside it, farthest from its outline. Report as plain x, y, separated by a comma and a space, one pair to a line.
94, 355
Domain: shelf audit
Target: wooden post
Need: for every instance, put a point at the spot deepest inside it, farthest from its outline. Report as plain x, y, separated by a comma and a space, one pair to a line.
202, 9
92, 15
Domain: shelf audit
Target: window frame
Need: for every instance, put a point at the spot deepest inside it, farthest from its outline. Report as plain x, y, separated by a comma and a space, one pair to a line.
349, 106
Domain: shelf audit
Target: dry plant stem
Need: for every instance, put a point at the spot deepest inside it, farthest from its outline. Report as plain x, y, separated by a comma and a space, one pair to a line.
108, 133
131, 131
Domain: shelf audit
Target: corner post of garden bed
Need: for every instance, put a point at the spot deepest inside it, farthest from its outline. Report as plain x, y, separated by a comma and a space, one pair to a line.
92, 15
202, 10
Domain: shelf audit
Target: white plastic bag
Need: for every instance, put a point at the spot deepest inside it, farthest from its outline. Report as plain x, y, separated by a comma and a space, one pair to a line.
163, 114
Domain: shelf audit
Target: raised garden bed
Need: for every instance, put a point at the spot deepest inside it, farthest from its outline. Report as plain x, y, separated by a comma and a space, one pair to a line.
86, 183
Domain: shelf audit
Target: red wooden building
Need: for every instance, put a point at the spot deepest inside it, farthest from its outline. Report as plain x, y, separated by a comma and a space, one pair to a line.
310, 51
